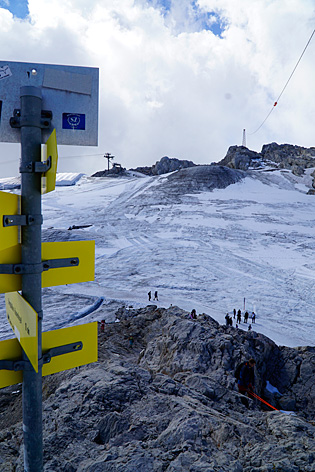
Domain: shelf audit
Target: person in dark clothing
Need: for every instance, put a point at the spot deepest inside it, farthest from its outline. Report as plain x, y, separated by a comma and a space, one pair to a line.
149, 295
246, 381
246, 316
227, 320
156, 296
193, 314
239, 316
234, 313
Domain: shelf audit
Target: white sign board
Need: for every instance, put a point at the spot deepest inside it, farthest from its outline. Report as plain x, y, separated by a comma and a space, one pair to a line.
69, 92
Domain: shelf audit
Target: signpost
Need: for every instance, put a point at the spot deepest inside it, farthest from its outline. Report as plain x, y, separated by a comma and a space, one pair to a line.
34, 100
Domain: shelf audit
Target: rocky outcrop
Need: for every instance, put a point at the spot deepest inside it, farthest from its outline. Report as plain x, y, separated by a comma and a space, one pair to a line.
201, 178
178, 187
162, 397
115, 171
240, 157
288, 156
282, 156
164, 166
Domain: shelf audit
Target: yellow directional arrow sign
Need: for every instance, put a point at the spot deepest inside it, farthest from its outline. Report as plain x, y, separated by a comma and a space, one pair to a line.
87, 334
49, 151
83, 272
9, 205
23, 320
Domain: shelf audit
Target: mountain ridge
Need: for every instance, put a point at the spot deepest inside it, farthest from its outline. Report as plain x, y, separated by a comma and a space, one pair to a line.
163, 398
277, 156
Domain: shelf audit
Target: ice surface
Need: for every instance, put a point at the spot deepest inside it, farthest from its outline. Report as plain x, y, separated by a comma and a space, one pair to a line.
208, 250
271, 388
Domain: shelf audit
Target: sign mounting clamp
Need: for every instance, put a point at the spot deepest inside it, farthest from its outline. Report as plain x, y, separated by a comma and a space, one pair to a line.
47, 356
19, 269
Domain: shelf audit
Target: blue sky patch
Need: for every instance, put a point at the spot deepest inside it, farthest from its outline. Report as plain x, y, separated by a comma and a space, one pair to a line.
18, 8
197, 19
214, 23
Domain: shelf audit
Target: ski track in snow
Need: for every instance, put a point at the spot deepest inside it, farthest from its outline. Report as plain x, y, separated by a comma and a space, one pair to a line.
207, 251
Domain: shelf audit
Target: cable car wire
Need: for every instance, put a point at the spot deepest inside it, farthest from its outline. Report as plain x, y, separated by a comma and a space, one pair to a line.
286, 84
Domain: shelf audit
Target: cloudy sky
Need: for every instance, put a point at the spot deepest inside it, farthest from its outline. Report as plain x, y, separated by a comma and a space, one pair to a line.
177, 77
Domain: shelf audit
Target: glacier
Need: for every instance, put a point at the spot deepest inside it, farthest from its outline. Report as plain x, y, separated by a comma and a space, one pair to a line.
250, 244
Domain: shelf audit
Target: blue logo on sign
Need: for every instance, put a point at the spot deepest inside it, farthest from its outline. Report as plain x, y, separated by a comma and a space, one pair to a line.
73, 121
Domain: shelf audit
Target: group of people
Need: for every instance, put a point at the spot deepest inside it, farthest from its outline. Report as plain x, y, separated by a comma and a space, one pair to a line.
155, 295
238, 316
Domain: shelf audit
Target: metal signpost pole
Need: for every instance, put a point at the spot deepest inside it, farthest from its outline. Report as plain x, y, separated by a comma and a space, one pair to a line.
30, 120
71, 94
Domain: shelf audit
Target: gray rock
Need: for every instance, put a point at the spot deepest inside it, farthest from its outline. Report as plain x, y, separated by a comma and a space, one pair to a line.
170, 403
115, 171
200, 178
240, 157
281, 156
164, 166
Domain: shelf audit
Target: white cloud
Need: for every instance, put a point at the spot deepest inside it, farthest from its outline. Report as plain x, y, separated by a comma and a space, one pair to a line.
167, 85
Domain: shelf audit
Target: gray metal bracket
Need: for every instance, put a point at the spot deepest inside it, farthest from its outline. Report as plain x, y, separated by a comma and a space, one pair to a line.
36, 167
60, 350
20, 269
47, 356
22, 220
13, 365
17, 121
58, 263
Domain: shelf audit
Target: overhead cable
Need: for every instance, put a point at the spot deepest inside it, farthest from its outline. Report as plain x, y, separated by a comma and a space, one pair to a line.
286, 84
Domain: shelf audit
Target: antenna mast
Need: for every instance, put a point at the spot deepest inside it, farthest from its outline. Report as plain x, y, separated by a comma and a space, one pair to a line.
244, 138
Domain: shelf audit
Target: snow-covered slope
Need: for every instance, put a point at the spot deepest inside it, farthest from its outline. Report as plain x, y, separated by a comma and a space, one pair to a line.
204, 249
62, 180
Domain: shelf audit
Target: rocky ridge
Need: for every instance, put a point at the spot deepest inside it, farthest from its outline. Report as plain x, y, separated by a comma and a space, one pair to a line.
163, 398
114, 171
273, 156
164, 166
279, 156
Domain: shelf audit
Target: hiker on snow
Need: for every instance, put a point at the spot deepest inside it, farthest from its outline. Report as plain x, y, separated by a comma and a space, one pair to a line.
253, 317
156, 296
246, 316
239, 316
246, 380
149, 295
